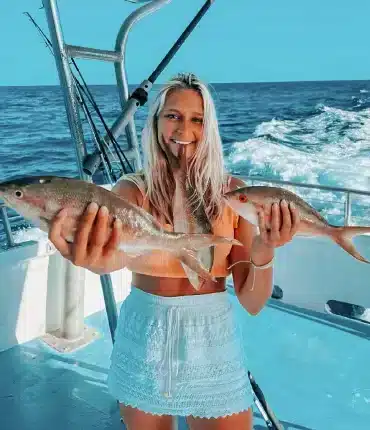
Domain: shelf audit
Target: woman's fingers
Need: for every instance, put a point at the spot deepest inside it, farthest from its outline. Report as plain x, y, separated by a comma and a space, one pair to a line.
262, 225
98, 235
286, 227
284, 223
275, 222
114, 240
93, 242
295, 218
55, 235
82, 235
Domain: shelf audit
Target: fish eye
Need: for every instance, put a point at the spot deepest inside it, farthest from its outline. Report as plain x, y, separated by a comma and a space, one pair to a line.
18, 194
243, 198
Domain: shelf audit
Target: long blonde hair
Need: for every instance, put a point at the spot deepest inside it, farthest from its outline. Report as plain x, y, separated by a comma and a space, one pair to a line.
206, 175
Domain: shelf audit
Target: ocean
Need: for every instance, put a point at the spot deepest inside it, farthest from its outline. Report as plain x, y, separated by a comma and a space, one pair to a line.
307, 132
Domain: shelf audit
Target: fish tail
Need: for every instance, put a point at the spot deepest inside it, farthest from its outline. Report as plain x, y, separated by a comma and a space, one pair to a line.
193, 277
343, 237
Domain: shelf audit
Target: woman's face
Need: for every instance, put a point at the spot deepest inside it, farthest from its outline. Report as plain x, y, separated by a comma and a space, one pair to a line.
180, 123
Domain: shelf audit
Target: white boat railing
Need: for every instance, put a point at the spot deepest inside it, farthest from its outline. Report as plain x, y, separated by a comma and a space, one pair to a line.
7, 221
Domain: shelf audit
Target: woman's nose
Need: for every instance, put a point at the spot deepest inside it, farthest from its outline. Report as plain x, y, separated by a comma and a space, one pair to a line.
185, 132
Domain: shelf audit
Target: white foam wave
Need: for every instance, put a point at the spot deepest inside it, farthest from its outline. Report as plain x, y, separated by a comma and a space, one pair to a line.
344, 133
330, 147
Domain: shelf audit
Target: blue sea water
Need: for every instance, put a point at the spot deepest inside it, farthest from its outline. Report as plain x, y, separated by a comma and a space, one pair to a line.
315, 132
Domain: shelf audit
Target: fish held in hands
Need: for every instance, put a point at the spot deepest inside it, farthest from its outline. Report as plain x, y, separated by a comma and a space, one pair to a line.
248, 201
40, 198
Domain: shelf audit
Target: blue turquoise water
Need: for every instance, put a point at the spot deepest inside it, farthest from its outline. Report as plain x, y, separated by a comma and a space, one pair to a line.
315, 132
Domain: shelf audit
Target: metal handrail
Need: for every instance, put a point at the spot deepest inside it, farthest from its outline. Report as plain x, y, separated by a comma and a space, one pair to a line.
6, 220
305, 185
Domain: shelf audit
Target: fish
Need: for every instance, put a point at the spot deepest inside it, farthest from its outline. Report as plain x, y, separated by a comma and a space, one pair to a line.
40, 198
190, 217
248, 201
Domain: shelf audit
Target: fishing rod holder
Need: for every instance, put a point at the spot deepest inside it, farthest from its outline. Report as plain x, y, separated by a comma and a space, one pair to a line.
138, 98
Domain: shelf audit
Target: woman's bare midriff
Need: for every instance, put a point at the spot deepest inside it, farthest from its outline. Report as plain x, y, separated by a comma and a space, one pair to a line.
174, 287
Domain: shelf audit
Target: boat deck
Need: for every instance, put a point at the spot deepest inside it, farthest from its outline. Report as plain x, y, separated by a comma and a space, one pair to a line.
313, 370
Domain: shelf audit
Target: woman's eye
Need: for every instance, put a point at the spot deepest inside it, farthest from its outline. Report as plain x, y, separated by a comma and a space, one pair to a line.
198, 120
172, 116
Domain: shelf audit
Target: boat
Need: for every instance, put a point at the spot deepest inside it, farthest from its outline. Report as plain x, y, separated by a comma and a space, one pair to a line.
308, 349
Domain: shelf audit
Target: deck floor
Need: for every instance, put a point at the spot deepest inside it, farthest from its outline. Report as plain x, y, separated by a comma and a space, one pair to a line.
313, 371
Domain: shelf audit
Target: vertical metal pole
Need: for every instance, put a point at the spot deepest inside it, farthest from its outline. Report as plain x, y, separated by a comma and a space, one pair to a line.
6, 224
121, 75
73, 318
66, 82
130, 130
348, 209
110, 303
74, 294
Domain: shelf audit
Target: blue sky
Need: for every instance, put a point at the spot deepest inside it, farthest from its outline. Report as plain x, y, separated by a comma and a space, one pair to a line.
252, 41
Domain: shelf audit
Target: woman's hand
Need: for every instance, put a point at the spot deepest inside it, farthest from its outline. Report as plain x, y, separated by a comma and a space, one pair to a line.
283, 225
93, 246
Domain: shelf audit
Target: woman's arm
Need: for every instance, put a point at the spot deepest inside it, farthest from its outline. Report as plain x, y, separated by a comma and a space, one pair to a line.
253, 263
253, 287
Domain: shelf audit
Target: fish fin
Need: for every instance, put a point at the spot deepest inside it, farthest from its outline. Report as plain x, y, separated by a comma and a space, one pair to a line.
192, 276
343, 237
205, 256
190, 259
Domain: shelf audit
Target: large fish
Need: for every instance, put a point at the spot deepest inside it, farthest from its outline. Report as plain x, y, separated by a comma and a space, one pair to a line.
41, 198
189, 217
247, 201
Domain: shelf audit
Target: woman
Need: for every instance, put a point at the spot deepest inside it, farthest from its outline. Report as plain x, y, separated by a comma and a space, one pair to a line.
178, 350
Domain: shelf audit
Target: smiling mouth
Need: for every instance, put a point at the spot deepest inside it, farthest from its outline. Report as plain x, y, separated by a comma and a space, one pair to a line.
180, 142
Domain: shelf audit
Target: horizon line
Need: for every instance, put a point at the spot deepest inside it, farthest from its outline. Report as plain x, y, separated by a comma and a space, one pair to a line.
209, 83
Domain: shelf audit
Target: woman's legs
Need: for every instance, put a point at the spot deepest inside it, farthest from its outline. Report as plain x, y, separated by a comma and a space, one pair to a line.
136, 419
241, 421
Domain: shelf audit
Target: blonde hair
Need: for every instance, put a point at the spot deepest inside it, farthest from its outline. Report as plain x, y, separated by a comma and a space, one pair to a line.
206, 175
